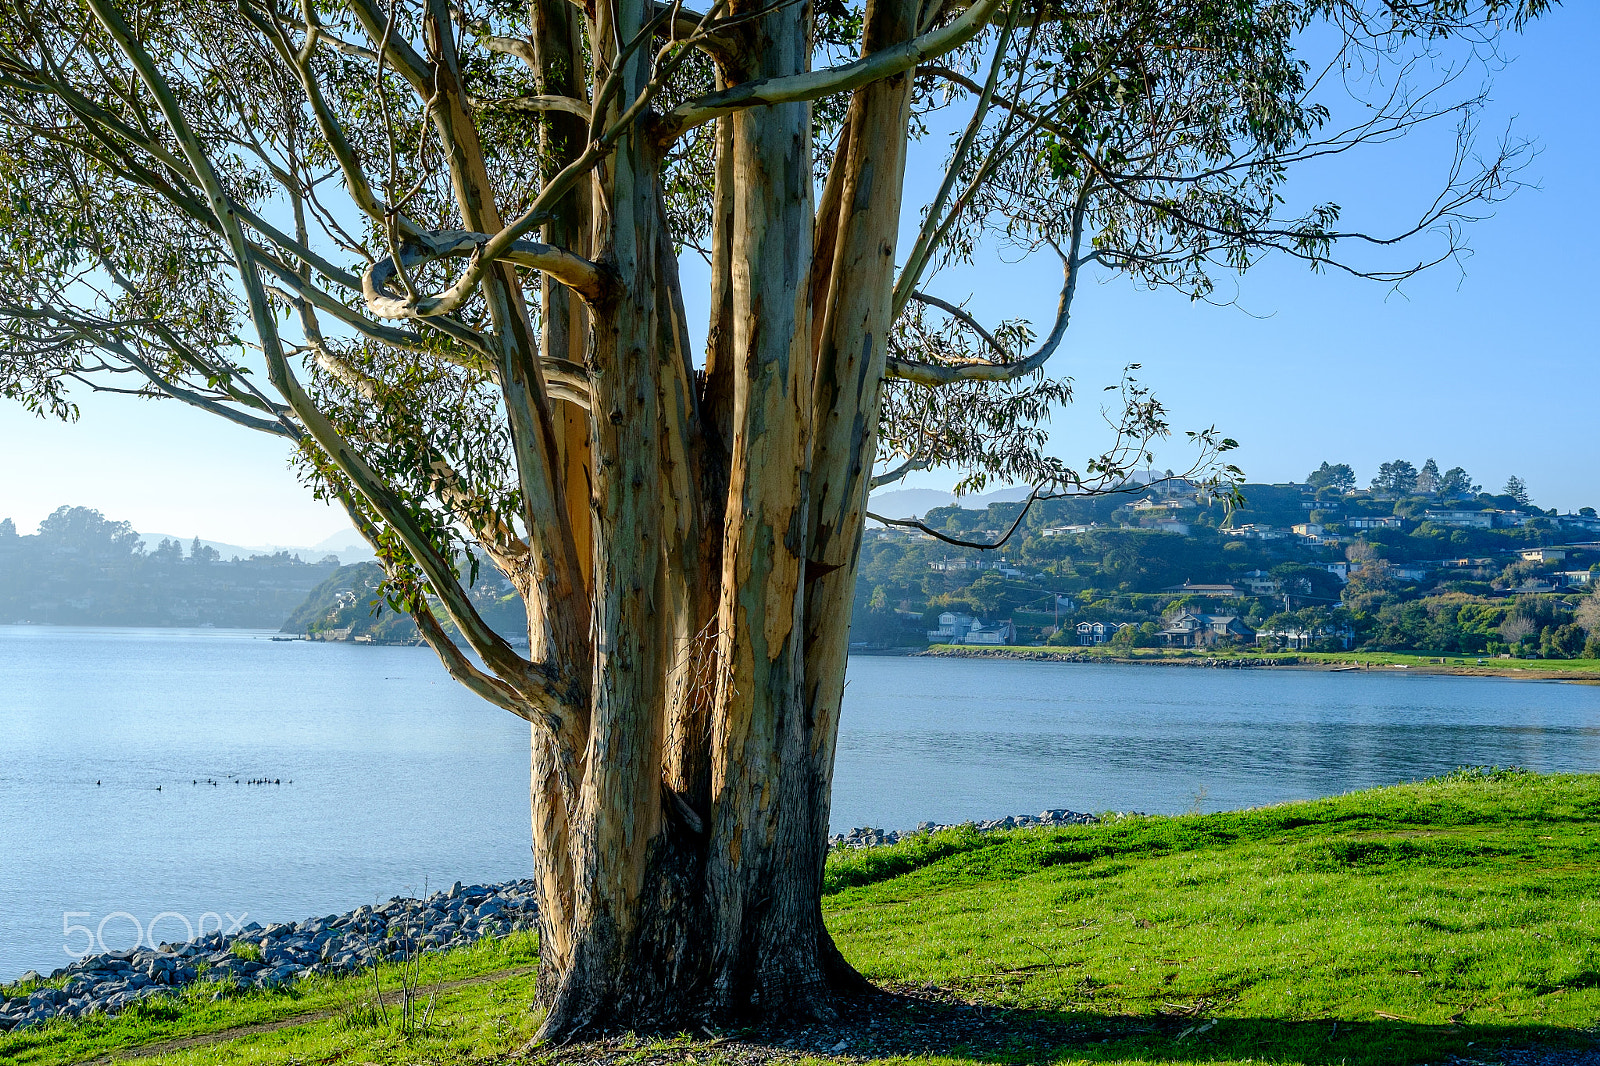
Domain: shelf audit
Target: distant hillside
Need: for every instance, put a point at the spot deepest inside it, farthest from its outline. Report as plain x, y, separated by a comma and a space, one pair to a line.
349, 606
1421, 561
84, 569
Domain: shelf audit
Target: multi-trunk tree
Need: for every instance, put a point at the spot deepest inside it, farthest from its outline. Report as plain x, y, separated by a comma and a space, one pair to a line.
435, 245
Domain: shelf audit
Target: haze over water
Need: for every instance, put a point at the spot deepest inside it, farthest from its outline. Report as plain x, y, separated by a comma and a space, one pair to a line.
393, 777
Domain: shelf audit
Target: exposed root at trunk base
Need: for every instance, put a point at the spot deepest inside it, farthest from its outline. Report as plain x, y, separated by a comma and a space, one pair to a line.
822, 994
909, 1021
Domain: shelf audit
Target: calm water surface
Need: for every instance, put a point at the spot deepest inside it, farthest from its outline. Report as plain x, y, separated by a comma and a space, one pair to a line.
393, 777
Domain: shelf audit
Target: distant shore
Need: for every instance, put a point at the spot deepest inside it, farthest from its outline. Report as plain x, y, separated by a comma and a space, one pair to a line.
1578, 670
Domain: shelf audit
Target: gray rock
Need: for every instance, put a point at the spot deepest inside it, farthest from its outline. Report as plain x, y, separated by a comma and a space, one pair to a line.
46, 997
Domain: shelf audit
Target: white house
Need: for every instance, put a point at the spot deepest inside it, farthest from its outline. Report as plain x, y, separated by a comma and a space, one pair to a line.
953, 628
1372, 522
965, 629
1544, 555
1092, 633
999, 633
1067, 531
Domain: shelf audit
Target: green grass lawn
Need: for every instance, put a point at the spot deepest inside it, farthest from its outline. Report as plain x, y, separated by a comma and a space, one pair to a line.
1402, 925
1476, 664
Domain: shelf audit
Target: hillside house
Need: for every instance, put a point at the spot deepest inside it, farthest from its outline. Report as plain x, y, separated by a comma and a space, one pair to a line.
1093, 633
1544, 555
1582, 522
999, 633
965, 629
953, 628
1190, 629
1258, 583
1461, 519
1372, 522
1478, 519
1219, 591
1253, 532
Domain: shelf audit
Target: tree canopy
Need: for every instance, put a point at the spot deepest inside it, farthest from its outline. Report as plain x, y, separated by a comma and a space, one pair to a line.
435, 248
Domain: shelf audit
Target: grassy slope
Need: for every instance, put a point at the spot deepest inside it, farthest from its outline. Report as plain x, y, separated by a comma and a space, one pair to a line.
1431, 919
1577, 669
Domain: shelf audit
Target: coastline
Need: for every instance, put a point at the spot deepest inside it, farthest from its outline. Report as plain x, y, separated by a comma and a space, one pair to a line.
1573, 670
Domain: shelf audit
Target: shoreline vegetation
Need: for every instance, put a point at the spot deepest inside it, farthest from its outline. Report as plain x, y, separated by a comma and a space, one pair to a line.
1583, 670
1451, 919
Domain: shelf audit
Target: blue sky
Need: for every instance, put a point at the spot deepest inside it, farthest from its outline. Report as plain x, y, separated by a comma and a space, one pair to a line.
1493, 370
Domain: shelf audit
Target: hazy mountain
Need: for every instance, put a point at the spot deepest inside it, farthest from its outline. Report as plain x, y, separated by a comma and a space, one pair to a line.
348, 546
914, 503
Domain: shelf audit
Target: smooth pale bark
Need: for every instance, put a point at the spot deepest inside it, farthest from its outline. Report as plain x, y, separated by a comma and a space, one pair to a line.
758, 737
852, 343
564, 332
556, 48
617, 832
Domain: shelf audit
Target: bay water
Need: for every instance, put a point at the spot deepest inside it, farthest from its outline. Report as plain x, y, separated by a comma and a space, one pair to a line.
156, 783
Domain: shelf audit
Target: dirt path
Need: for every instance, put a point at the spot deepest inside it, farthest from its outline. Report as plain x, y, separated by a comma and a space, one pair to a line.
222, 1036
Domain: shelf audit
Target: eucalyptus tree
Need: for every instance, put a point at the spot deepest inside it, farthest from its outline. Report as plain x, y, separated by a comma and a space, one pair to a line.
436, 247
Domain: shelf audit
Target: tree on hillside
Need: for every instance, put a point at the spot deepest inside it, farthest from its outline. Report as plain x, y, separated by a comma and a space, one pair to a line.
1398, 477
1517, 489
434, 246
85, 531
1457, 482
1428, 478
1588, 613
1338, 477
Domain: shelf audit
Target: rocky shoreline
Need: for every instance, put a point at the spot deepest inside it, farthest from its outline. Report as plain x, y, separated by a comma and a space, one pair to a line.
870, 837
271, 957
276, 955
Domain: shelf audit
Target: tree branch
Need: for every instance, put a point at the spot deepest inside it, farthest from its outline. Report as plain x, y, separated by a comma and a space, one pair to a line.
574, 271
535, 104
812, 85
936, 374
496, 653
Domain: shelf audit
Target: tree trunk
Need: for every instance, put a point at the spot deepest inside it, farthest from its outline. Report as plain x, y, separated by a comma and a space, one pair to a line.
691, 854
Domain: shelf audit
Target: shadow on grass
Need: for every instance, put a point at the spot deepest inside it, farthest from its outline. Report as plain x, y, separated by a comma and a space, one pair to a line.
921, 1022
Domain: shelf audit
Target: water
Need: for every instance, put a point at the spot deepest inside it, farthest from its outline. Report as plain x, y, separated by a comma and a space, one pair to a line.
394, 779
